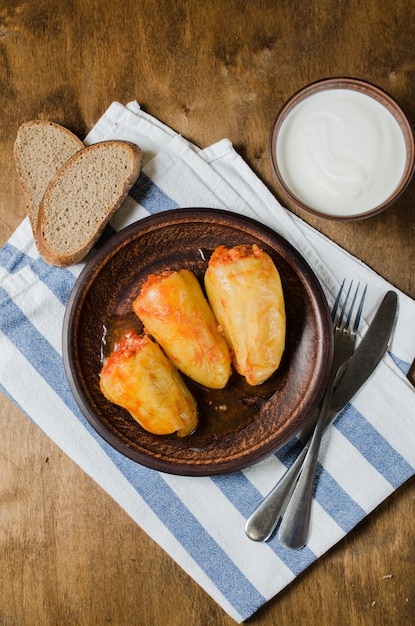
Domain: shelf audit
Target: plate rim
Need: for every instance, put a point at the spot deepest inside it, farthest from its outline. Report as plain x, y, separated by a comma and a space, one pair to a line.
97, 262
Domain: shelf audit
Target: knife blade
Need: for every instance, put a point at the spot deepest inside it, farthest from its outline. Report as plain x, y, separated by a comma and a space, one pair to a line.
363, 361
367, 356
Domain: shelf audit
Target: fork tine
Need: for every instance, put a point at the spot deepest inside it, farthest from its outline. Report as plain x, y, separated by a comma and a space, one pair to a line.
344, 319
343, 310
349, 316
336, 303
342, 313
359, 310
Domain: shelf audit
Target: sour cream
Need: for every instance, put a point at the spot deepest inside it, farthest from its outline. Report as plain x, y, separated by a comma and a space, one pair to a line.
341, 152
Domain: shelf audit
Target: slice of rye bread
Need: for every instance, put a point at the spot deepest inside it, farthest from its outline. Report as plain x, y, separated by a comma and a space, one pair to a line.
40, 150
83, 197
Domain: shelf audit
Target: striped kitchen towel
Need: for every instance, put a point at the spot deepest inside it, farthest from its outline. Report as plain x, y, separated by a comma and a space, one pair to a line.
199, 521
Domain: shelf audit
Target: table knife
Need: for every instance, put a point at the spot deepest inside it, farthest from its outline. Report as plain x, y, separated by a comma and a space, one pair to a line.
263, 521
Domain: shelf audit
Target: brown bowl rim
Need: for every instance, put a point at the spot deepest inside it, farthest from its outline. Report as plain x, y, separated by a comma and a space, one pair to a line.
371, 90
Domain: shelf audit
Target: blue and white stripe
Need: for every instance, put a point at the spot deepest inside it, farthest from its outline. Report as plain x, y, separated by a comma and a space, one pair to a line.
199, 521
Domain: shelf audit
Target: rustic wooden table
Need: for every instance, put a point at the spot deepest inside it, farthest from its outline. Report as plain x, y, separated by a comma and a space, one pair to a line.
68, 554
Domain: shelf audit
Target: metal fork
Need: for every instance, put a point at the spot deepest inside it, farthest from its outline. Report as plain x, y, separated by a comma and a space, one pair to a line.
264, 519
296, 520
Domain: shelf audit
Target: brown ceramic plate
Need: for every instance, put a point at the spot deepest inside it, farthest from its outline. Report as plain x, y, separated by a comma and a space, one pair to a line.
239, 425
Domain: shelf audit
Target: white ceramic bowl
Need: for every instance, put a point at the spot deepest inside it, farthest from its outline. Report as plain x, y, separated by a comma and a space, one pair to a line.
342, 149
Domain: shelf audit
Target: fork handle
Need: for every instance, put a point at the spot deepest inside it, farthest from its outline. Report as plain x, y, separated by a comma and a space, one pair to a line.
296, 520
264, 519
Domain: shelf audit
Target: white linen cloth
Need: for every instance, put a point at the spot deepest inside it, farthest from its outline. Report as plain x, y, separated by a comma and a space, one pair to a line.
200, 521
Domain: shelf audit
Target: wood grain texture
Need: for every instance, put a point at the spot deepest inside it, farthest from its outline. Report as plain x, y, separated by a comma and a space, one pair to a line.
68, 554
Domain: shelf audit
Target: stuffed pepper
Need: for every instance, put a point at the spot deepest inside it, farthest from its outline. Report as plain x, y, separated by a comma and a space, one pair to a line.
245, 292
140, 378
174, 310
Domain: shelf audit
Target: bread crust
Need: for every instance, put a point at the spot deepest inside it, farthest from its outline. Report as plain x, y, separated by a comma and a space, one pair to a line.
47, 246
57, 144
